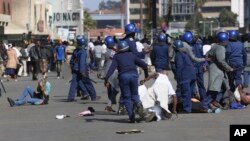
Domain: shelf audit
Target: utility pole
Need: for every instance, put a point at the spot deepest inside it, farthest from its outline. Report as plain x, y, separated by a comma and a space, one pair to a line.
154, 14
153, 17
141, 17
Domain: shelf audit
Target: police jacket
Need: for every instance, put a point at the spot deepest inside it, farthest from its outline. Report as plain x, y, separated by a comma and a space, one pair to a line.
159, 56
126, 62
184, 68
198, 52
78, 61
236, 54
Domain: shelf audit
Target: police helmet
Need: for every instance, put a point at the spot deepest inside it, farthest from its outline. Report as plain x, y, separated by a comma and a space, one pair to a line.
233, 34
187, 37
122, 46
109, 41
81, 40
222, 37
162, 38
178, 44
130, 28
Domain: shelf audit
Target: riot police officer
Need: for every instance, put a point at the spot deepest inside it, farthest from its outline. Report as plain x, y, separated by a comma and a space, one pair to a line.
236, 57
217, 68
112, 87
80, 70
130, 30
159, 54
126, 62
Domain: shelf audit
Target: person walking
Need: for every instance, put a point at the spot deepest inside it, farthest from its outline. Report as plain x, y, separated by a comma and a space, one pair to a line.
59, 57
80, 71
12, 62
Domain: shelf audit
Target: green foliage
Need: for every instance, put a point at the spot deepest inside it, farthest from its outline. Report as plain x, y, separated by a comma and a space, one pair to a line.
193, 24
88, 21
227, 18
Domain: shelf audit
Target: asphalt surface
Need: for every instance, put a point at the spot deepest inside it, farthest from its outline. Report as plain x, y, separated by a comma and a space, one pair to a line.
39, 123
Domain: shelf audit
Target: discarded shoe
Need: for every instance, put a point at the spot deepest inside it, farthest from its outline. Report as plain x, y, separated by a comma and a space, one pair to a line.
91, 109
85, 113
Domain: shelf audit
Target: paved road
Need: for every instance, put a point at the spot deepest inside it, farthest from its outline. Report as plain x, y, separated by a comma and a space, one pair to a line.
38, 123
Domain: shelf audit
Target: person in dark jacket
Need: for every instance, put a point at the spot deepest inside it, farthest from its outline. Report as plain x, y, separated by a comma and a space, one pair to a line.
159, 54
80, 72
35, 56
236, 57
185, 76
126, 62
44, 57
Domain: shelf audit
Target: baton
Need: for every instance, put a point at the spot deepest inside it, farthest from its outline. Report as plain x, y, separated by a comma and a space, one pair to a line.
2, 86
90, 79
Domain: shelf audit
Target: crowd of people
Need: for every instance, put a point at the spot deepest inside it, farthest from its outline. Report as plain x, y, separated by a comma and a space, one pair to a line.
225, 57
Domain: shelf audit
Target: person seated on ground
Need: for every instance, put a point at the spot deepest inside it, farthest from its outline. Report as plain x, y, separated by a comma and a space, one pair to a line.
40, 97
158, 97
242, 97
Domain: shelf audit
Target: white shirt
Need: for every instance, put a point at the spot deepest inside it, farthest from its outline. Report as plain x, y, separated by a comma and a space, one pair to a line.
91, 46
139, 46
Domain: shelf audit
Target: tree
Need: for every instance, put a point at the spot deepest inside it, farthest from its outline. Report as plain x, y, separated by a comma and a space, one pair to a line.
194, 22
227, 18
197, 8
88, 21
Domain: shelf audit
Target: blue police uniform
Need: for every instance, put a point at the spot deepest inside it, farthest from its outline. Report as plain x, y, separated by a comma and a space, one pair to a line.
198, 52
80, 77
185, 75
160, 57
133, 49
125, 63
236, 57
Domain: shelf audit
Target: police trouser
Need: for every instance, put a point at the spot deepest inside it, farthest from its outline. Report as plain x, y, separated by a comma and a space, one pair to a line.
235, 78
128, 83
186, 94
84, 84
200, 85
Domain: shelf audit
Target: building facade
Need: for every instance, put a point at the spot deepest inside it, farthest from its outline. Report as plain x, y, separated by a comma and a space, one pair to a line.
58, 18
5, 14
182, 10
66, 18
212, 8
